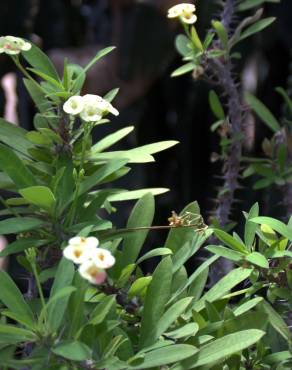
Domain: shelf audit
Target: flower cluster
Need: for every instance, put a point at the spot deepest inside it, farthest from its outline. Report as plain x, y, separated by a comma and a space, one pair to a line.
93, 261
91, 108
13, 45
183, 11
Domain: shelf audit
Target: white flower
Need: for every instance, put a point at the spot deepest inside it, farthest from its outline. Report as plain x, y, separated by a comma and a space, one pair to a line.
91, 272
80, 250
74, 105
103, 258
183, 11
91, 113
99, 105
13, 45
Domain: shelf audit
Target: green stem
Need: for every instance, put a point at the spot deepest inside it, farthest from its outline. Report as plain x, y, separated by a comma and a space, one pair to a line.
40, 290
72, 211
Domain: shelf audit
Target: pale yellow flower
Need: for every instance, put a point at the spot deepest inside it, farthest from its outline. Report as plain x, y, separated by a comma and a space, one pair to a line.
103, 258
13, 45
184, 11
80, 250
74, 105
91, 272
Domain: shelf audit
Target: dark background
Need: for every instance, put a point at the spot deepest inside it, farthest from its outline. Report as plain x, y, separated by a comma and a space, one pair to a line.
160, 107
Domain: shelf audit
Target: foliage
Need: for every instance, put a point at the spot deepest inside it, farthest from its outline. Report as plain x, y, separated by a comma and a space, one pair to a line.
60, 202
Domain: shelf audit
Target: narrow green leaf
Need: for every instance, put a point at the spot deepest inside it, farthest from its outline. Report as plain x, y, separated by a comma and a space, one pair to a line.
73, 350
225, 252
230, 241
222, 287
276, 321
258, 259
19, 224
141, 216
111, 139
63, 278
186, 68
219, 349
250, 227
12, 298
216, 105
15, 168
263, 112
157, 295
165, 355
276, 225
257, 27
40, 196
39, 60
154, 253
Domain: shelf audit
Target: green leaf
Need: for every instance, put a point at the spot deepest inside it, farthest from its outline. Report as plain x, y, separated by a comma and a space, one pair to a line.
221, 32
40, 196
135, 194
39, 60
216, 105
20, 245
222, 287
257, 27
188, 330
286, 97
230, 241
9, 130
258, 259
195, 275
38, 138
73, 350
12, 298
276, 225
111, 95
38, 95
154, 253
63, 278
139, 287
250, 227
225, 252
102, 173
186, 68
141, 216
19, 224
216, 351
165, 355
102, 310
247, 306
11, 335
98, 56
15, 168
47, 78
276, 321
172, 314
263, 112
248, 4
182, 45
156, 297
111, 139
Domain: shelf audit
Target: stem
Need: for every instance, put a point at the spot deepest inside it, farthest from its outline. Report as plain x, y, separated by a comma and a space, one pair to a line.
22, 69
40, 290
72, 211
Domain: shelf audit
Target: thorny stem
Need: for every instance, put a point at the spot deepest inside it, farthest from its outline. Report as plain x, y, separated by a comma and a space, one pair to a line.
222, 69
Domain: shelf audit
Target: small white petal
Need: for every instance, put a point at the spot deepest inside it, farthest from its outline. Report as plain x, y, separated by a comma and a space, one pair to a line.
77, 240
92, 242
89, 271
76, 253
103, 258
189, 20
74, 105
